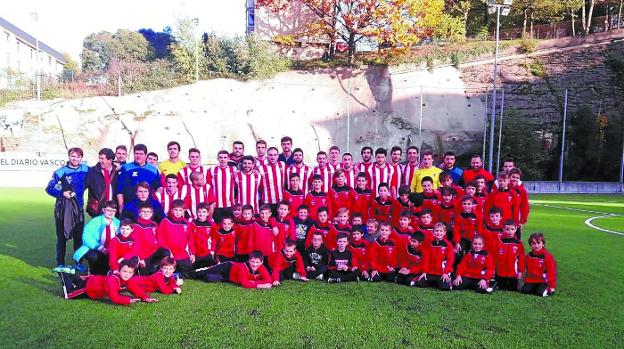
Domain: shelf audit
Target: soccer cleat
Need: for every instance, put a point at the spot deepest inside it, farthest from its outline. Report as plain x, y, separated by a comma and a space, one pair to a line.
334, 280
320, 277
545, 294
80, 268
413, 283
296, 276
67, 269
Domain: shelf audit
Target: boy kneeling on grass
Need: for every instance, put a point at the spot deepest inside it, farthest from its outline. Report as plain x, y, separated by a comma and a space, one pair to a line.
287, 264
250, 274
110, 286
476, 269
541, 269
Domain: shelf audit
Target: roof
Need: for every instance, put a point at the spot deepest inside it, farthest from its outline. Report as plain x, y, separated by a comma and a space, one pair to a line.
29, 39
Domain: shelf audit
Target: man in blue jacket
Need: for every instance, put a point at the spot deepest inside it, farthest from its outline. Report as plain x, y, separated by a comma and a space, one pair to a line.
68, 182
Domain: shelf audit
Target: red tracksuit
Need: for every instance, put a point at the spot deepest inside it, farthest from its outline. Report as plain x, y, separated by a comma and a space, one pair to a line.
523, 204
459, 192
295, 199
262, 238
476, 265
446, 214
155, 282
100, 286
342, 228
401, 236
243, 236
509, 257
383, 255
173, 235
279, 262
470, 174
144, 233
242, 274
427, 230
225, 242
431, 201
413, 259
361, 203
340, 197
121, 248
286, 228
466, 226
382, 210
329, 239
359, 248
440, 257
541, 268
492, 235
505, 199
314, 200
201, 234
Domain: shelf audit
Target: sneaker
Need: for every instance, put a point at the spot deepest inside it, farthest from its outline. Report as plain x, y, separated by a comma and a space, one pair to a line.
67, 269
320, 277
545, 294
296, 276
80, 268
413, 283
334, 280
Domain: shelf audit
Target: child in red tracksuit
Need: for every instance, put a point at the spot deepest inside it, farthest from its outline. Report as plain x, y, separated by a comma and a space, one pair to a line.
262, 233
317, 198
523, 198
285, 225
340, 195
541, 269
294, 195
446, 210
363, 197
467, 225
243, 234
109, 286
476, 270
504, 198
431, 197
403, 230
203, 246
411, 260
382, 256
250, 274
173, 234
144, 234
493, 232
287, 264
224, 238
322, 226
342, 223
162, 281
509, 256
358, 246
383, 206
343, 266
425, 224
440, 258
122, 246
404, 203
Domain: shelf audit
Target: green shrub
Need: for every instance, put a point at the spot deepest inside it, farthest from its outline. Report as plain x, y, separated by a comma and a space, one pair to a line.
528, 44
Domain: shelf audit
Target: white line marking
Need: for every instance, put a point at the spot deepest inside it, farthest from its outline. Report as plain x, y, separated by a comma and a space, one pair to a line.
578, 209
588, 221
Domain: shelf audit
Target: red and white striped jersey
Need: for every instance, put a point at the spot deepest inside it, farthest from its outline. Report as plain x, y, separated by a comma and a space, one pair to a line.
260, 162
335, 166
351, 176
185, 173
304, 172
397, 178
408, 173
380, 175
325, 173
362, 167
195, 196
166, 199
222, 182
273, 179
248, 185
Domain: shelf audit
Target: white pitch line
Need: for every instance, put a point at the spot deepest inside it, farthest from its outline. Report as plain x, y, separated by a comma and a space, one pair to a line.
588, 221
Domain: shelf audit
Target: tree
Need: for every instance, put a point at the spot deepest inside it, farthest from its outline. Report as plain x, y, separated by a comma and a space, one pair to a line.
71, 69
159, 41
463, 7
100, 48
394, 24
188, 49
538, 10
571, 7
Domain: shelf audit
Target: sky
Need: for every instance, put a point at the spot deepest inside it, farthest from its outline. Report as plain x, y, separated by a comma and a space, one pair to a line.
63, 25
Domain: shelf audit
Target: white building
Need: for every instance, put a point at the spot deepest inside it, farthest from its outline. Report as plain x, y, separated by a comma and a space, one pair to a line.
18, 56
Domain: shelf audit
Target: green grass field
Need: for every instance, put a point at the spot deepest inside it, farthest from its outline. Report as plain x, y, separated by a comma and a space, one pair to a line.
587, 310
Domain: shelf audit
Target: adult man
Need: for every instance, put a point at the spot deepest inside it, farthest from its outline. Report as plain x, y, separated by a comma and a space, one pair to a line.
411, 166
273, 179
121, 154
476, 169
261, 153
133, 173
173, 165
197, 192
334, 157
235, 158
248, 183
449, 166
287, 154
169, 193
299, 167
324, 170
193, 166
68, 182
100, 182
152, 159
349, 170
221, 179
380, 172
395, 161
367, 162
426, 170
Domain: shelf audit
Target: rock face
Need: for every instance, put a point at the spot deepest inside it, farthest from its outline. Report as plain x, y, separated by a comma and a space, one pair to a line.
347, 107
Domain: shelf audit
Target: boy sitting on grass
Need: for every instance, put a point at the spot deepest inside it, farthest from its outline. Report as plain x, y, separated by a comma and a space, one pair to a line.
162, 281
287, 264
342, 263
541, 269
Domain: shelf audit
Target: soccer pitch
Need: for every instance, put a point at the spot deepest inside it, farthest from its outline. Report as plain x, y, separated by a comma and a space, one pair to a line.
587, 310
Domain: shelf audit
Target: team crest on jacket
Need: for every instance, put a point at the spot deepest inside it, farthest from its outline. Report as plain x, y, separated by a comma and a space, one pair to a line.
509, 199
185, 227
515, 249
135, 174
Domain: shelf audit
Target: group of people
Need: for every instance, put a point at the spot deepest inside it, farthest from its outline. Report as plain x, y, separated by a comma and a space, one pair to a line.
258, 220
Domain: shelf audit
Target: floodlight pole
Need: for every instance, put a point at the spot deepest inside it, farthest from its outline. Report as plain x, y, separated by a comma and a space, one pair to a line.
500, 131
493, 117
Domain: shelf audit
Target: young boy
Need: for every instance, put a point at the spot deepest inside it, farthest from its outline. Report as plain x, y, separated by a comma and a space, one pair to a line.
493, 231
316, 257
203, 246
162, 281
284, 224
439, 264
243, 233
356, 220
467, 224
302, 223
509, 256
359, 246
342, 225
383, 256
343, 266
446, 181
340, 195
430, 196
122, 246
404, 228
523, 198
316, 198
287, 264
446, 210
263, 233
425, 224
372, 230
173, 234
476, 269
110, 286
294, 195
541, 268
237, 212
405, 203
225, 239
411, 260
250, 274
504, 198
382, 206
144, 233
363, 196
323, 226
